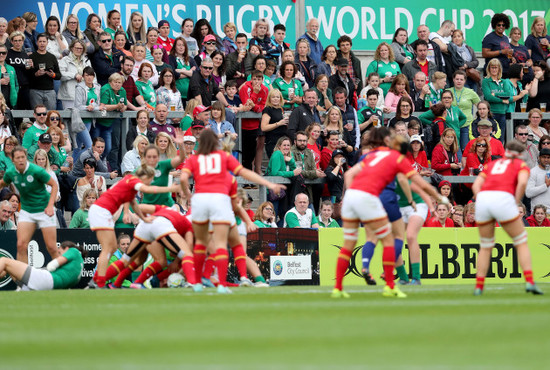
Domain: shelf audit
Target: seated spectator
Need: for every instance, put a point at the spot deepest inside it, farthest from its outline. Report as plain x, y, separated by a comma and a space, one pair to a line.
534, 128
453, 116
6, 155
301, 216
417, 156
262, 37
404, 112
166, 146
45, 143
496, 92
38, 128
168, 94
90, 180
133, 158
120, 41
80, 217
186, 31
445, 188
441, 217
400, 128
373, 83
158, 54
478, 158
324, 93
399, 88
434, 122
370, 115
335, 176
5, 213
218, 124
538, 186
343, 80
403, 52
444, 157
531, 153
470, 215
145, 85
420, 90
107, 60
274, 121
385, 65
209, 46
538, 218
96, 151
470, 60
139, 52
436, 86
230, 30
187, 121
522, 210
414, 128
240, 62
218, 73
333, 122
265, 215
164, 35
160, 122
457, 213
142, 128
15, 202
40, 158
484, 113
325, 217
495, 146
314, 143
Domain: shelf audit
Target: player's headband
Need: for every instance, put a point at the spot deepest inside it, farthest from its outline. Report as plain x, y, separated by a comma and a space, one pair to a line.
511, 153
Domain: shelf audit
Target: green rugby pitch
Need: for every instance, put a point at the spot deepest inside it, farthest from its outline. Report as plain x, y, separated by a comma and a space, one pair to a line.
436, 327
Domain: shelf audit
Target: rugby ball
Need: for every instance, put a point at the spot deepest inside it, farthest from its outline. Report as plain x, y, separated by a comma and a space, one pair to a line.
175, 280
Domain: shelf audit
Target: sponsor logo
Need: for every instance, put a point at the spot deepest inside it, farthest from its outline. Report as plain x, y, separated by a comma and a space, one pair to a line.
278, 267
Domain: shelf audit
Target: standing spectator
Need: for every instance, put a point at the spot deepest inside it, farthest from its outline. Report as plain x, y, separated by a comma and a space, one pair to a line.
139, 52
113, 23
262, 38
540, 86
58, 145
324, 93
312, 27
142, 128
350, 130
305, 114
449, 55
203, 29
538, 41
80, 217
107, 59
444, 157
538, 186
45, 143
38, 128
470, 60
144, 85
8, 80
183, 66
4, 36
254, 95
228, 41
135, 100
209, 46
333, 142
531, 151
484, 113
419, 92
289, 86
314, 142
434, 52
18, 58
260, 64
534, 129
305, 159
5, 213
168, 95
325, 217
93, 30
521, 54
384, 64
31, 21
136, 28
274, 122
334, 172
420, 63
454, 117
478, 158
72, 32
158, 54
278, 40
301, 216
45, 70
344, 80
538, 218
218, 73
164, 39
328, 66
57, 43
160, 121
519, 94
465, 99
202, 86
72, 68
399, 88
497, 45
240, 62
186, 33
354, 65
306, 65
403, 52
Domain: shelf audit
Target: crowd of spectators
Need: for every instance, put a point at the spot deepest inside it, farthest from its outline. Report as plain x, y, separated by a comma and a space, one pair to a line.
314, 104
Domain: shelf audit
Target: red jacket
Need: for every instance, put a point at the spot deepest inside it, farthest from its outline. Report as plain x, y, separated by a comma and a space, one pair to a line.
440, 161
434, 222
259, 99
533, 223
421, 161
472, 161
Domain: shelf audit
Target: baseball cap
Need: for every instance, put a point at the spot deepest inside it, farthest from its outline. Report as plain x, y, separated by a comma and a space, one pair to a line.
45, 138
198, 124
342, 62
209, 38
199, 109
337, 152
190, 138
443, 183
415, 138
485, 122
163, 22
544, 151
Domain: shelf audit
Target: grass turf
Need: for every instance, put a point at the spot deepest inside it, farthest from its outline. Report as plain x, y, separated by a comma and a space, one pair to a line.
436, 327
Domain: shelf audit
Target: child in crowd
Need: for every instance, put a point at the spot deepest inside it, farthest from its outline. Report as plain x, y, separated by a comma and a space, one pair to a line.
373, 82
231, 94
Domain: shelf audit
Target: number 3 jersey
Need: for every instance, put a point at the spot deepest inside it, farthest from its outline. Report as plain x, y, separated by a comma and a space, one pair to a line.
502, 175
379, 168
210, 171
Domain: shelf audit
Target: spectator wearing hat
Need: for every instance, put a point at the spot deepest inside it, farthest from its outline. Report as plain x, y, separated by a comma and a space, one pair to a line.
335, 175
209, 45
160, 122
343, 79
45, 143
538, 186
164, 39
485, 128
203, 87
189, 142
417, 156
446, 189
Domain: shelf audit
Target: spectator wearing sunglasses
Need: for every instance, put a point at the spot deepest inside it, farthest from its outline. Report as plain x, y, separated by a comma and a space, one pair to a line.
208, 47
38, 128
107, 60
203, 87
531, 152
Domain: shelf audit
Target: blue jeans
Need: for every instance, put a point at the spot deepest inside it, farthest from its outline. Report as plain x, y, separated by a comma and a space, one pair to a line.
464, 137
83, 141
105, 133
501, 119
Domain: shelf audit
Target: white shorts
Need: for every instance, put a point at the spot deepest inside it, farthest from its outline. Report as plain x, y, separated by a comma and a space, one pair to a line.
38, 279
361, 206
40, 218
158, 229
100, 218
241, 228
213, 207
498, 206
408, 211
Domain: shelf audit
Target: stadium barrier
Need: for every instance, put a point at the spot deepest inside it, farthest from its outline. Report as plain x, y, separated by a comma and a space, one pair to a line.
308, 257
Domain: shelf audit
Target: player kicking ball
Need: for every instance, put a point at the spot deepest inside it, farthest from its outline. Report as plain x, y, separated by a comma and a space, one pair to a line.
498, 191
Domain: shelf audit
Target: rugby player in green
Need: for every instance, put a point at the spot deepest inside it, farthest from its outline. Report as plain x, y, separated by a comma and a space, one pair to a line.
36, 204
62, 272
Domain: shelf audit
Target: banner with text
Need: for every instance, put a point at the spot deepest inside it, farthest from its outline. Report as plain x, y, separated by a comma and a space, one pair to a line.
447, 256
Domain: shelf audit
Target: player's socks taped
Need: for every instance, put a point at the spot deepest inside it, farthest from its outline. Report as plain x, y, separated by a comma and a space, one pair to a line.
351, 234
486, 242
342, 265
367, 253
520, 239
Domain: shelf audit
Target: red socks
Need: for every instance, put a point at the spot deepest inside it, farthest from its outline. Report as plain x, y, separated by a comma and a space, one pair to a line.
163, 274
480, 281
199, 255
188, 267
528, 275
153, 269
342, 265
388, 260
114, 269
125, 273
100, 281
209, 266
222, 257
240, 259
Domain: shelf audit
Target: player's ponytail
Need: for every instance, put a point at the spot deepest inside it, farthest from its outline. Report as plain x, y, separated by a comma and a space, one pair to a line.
377, 137
208, 142
228, 144
400, 144
145, 171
